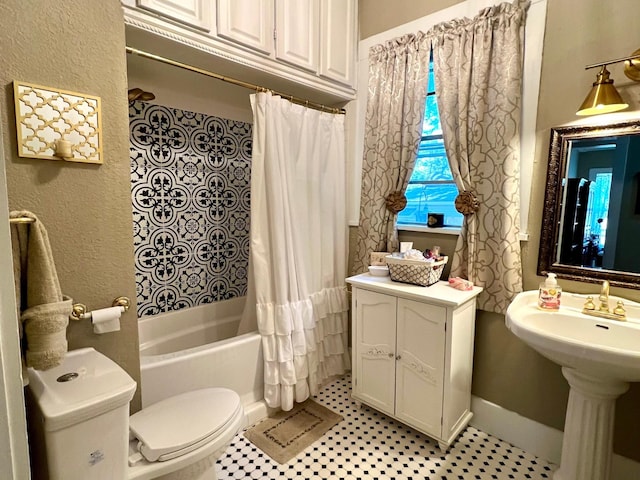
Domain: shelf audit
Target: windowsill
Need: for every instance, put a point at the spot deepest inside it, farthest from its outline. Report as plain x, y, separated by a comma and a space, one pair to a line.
443, 230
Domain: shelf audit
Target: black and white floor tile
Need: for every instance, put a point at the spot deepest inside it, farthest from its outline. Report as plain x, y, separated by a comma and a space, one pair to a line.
190, 186
370, 445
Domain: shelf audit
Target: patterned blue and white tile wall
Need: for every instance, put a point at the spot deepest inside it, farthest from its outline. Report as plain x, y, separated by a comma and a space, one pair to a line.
190, 186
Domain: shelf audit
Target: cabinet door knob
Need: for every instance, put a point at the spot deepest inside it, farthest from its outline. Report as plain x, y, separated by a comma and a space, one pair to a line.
399, 357
390, 355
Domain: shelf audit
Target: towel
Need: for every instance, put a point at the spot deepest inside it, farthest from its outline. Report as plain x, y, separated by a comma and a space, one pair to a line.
42, 308
414, 254
45, 327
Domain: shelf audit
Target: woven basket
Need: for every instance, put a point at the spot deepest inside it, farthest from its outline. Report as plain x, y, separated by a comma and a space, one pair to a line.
416, 272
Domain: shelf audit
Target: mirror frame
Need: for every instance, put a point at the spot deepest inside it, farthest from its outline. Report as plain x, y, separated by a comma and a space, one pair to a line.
552, 209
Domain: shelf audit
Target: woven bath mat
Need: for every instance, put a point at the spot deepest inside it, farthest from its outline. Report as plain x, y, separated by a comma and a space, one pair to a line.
286, 434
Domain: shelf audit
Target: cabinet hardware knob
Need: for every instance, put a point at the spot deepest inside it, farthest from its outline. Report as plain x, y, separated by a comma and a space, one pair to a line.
390, 355
399, 357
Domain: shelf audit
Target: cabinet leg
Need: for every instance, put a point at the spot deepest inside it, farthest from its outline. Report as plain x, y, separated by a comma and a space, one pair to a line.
443, 447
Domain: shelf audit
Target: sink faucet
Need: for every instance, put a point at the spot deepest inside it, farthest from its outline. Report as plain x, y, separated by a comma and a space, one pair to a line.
618, 313
604, 297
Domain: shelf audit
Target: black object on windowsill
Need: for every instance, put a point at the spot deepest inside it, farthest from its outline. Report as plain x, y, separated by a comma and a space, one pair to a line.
435, 220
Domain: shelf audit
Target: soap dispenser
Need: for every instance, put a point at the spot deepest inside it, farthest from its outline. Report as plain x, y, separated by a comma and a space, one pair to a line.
549, 293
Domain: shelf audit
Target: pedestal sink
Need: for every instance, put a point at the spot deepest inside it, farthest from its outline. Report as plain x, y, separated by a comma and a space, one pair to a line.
599, 357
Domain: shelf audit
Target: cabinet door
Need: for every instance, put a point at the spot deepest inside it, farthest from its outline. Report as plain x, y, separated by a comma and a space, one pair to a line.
297, 32
196, 13
338, 40
374, 343
248, 22
420, 351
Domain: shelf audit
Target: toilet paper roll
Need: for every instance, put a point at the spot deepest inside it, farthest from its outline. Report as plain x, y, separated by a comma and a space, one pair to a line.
106, 319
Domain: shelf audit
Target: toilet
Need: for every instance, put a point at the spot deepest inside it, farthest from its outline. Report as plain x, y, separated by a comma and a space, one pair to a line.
84, 430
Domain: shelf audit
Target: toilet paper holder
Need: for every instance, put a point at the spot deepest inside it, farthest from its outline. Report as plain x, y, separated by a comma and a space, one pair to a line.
79, 310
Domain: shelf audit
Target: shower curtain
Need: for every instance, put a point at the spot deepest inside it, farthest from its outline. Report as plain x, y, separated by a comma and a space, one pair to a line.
298, 248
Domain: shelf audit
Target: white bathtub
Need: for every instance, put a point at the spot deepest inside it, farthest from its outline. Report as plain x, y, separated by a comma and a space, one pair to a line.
196, 348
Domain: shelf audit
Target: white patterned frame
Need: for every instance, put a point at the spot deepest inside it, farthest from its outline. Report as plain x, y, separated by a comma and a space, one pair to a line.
46, 115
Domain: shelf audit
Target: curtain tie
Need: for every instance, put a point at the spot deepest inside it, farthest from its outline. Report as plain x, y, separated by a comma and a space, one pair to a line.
396, 201
467, 203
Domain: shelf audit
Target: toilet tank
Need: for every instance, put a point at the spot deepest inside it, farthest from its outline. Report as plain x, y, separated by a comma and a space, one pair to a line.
83, 413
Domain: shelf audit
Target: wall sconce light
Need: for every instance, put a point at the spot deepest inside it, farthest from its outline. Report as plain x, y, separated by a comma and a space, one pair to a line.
603, 97
63, 149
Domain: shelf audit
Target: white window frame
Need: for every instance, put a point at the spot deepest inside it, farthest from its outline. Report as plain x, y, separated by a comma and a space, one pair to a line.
356, 110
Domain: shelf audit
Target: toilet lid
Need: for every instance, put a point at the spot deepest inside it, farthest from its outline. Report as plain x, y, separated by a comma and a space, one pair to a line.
185, 420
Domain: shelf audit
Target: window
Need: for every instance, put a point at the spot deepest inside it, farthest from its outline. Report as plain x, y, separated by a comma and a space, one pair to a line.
431, 187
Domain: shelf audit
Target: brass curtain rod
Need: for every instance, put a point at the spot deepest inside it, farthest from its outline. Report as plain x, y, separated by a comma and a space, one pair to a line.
240, 83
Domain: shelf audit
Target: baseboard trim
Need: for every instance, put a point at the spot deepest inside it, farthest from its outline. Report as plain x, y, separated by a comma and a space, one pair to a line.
531, 436
534, 437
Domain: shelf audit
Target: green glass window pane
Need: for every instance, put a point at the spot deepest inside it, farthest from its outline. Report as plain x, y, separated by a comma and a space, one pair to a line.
431, 162
431, 84
431, 188
430, 198
431, 124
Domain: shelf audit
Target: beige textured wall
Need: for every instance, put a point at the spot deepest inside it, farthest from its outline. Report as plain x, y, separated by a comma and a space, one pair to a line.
578, 32
377, 16
177, 88
77, 45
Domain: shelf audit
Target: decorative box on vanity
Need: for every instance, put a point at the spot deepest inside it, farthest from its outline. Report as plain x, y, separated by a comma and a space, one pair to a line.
412, 350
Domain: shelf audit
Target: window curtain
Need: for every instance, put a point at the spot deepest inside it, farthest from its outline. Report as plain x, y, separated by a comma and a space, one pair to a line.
298, 247
478, 73
398, 74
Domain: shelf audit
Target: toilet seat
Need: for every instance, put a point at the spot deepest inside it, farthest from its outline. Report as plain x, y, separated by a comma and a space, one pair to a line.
141, 469
180, 424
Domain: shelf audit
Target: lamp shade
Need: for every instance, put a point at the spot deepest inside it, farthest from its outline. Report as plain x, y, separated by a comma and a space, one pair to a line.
603, 97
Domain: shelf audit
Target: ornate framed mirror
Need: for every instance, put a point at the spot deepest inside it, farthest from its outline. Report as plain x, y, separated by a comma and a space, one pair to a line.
591, 217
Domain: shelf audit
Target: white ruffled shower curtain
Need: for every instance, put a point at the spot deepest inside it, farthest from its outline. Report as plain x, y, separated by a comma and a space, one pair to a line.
298, 247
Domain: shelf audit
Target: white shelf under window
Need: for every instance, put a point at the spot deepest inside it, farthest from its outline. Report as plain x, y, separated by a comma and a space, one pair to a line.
423, 228
443, 230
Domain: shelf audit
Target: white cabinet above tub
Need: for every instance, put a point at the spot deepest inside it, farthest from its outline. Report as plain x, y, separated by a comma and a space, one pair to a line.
297, 34
338, 30
319, 36
413, 353
195, 13
306, 43
254, 30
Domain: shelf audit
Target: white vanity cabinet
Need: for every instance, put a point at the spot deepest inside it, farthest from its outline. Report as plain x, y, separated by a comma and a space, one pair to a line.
413, 353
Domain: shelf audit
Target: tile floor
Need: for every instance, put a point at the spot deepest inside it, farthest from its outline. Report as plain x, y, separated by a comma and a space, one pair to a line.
369, 445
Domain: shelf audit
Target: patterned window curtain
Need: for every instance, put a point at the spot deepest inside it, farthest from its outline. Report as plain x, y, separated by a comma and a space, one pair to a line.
398, 74
478, 72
